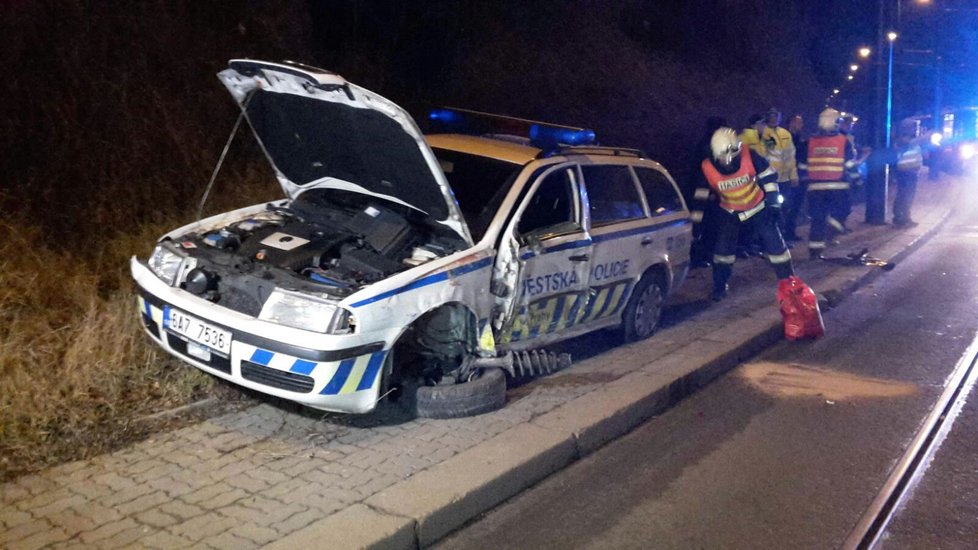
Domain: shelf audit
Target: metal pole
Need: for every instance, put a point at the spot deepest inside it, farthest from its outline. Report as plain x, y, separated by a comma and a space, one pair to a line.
889, 95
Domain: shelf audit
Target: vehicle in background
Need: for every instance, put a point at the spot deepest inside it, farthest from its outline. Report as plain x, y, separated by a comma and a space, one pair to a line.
953, 143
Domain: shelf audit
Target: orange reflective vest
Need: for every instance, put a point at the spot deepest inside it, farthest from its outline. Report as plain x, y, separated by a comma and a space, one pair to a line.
827, 158
738, 191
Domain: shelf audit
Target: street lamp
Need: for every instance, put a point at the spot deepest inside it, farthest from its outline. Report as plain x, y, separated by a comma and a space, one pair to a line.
853, 67
891, 38
835, 91
864, 52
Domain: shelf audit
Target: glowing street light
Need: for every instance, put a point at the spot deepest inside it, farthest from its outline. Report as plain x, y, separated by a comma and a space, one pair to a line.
891, 36
835, 90
864, 52
850, 77
853, 67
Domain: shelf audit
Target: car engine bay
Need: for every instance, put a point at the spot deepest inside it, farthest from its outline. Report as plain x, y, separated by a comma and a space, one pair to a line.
326, 242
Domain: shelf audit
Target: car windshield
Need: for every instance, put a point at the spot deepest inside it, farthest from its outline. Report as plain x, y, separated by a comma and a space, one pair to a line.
480, 184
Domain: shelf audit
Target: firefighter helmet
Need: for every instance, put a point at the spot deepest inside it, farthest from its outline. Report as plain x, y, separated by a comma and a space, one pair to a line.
725, 146
828, 120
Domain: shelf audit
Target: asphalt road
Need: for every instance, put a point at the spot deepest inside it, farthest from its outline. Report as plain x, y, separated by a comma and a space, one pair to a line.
791, 448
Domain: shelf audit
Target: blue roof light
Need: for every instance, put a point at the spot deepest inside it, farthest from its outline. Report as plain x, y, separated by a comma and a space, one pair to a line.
445, 115
542, 135
545, 136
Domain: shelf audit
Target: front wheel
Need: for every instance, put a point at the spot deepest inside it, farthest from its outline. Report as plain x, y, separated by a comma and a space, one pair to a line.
484, 392
644, 309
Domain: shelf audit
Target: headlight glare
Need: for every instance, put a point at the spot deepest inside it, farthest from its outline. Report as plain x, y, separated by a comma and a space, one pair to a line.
305, 312
165, 263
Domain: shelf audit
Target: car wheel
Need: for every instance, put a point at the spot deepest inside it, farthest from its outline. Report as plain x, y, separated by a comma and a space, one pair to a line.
644, 309
484, 393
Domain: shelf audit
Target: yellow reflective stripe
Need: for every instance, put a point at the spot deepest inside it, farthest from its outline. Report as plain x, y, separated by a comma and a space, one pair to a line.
748, 213
568, 303
696, 216
768, 172
545, 316
701, 194
729, 260
772, 187
816, 244
827, 185
352, 381
486, 341
616, 294
598, 303
780, 258
826, 160
836, 224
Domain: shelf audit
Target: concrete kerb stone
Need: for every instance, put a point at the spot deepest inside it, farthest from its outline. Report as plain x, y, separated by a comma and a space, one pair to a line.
446, 496
358, 526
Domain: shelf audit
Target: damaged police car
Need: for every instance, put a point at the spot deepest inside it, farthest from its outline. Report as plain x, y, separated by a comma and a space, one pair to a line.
402, 261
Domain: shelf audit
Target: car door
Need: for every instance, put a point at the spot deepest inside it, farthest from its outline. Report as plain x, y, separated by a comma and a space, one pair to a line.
620, 230
554, 258
669, 214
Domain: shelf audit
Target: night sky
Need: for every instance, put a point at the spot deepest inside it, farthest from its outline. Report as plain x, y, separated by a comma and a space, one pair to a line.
125, 93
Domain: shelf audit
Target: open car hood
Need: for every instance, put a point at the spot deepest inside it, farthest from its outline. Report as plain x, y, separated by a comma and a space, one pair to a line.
318, 130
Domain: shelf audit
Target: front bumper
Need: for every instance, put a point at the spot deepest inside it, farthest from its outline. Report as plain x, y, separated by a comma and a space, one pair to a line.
341, 373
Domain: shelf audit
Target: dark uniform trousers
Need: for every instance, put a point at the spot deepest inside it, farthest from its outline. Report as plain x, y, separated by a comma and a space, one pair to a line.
821, 204
764, 226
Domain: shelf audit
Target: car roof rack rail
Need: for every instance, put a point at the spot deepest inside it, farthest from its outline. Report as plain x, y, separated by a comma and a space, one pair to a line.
594, 150
542, 135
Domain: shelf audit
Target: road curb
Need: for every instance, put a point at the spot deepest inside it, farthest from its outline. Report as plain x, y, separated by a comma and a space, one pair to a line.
420, 510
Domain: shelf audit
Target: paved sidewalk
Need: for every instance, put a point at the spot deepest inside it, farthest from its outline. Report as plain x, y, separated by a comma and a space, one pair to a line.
272, 475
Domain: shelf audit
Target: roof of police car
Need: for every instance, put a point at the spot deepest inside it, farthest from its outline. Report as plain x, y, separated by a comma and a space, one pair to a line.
498, 149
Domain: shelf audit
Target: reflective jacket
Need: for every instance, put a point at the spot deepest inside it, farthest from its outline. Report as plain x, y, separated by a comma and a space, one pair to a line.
781, 152
740, 191
910, 159
827, 156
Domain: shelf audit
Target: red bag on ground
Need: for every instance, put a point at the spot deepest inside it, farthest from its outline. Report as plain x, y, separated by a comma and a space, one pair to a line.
799, 309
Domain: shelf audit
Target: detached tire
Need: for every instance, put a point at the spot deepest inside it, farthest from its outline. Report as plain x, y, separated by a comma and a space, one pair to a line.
480, 395
644, 309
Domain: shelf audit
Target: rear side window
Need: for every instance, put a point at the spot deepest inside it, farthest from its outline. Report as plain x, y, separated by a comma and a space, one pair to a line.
612, 194
659, 191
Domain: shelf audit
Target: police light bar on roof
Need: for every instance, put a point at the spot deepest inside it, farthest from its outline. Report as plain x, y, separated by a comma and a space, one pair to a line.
540, 134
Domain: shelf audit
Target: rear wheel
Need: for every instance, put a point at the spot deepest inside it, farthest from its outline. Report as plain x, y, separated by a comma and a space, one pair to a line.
644, 309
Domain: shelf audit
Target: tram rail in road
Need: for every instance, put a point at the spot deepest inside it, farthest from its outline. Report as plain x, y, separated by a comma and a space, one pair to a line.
912, 466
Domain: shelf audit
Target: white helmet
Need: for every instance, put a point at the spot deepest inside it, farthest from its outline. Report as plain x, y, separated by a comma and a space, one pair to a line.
725, 146
828, 120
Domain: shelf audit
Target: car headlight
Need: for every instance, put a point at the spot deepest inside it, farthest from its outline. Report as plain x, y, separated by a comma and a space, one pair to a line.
165, 263
306, 312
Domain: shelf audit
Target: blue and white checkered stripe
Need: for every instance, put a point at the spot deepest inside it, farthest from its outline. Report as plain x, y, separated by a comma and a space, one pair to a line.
332, 377
154, 313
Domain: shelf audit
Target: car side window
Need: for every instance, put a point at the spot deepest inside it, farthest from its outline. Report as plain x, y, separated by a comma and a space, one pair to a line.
659, 192
552, 210
612, 194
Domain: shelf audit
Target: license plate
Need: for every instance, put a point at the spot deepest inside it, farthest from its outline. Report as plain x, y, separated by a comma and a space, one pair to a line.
196, 330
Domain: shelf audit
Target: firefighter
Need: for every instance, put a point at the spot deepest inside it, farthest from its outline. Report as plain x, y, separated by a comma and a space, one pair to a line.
829, 155
780, 149
795, 194
905, 160
747, 191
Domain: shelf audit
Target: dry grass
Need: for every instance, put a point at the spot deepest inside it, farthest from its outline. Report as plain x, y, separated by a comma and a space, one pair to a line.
75, 368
